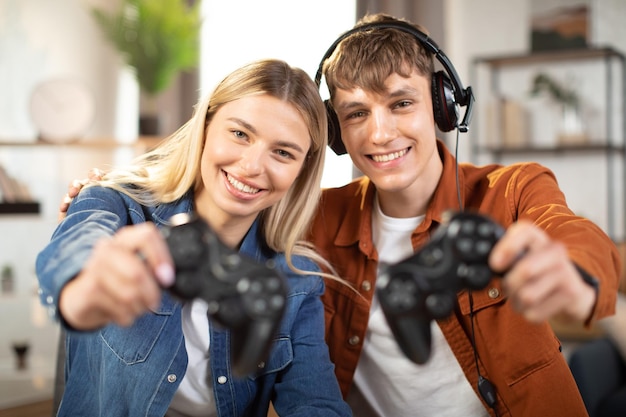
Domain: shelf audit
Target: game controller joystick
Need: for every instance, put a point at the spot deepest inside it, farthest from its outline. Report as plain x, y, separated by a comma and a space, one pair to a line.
424, 286
244, 296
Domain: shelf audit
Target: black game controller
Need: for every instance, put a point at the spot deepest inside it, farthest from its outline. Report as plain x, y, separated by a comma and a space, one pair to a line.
243, 295
424, 286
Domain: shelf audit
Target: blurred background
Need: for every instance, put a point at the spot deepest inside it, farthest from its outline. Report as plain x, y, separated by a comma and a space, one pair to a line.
548, 76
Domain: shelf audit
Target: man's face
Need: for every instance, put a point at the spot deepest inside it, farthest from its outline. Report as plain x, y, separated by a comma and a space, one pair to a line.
391, 136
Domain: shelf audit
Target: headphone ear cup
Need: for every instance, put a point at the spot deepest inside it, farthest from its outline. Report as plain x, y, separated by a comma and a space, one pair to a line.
444, 105
334, 131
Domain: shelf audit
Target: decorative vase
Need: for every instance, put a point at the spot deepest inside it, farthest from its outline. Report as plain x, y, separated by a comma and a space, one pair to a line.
572, 130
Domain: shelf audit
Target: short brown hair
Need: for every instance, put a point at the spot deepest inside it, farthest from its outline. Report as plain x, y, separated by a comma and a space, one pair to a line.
367, 58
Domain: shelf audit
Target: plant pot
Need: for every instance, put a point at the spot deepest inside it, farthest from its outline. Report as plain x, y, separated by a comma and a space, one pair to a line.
150, 125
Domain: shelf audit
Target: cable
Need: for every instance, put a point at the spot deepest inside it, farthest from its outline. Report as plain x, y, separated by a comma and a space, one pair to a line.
456, 163
486, 389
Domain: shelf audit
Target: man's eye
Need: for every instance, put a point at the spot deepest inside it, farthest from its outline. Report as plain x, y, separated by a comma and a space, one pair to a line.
404, 103
356, 115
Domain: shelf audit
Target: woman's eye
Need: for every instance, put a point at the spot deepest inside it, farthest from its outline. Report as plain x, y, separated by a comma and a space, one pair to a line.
239, 134
283, 153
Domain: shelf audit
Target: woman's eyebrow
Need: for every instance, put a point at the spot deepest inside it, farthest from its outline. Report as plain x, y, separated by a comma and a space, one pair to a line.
243, 123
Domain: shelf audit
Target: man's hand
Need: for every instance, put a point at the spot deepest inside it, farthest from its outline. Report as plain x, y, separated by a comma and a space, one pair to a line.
120, 281
543, 283
74, 188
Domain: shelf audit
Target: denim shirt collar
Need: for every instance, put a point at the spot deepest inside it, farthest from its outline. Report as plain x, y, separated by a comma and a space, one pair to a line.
253, 244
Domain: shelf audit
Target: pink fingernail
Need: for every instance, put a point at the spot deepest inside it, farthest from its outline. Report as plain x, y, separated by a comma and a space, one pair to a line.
165, 274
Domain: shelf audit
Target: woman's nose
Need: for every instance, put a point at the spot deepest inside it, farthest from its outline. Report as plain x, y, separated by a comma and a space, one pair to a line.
252, 159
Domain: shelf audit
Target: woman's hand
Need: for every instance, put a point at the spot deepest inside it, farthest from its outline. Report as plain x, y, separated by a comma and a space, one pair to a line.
120, 281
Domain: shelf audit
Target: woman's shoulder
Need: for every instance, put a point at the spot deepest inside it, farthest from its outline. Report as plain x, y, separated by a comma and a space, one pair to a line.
306, 281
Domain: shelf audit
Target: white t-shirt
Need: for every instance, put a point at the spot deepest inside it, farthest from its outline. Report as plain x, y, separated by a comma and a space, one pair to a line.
393, 384
194, 397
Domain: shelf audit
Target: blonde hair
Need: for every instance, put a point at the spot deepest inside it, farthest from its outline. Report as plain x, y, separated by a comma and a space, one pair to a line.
170, 170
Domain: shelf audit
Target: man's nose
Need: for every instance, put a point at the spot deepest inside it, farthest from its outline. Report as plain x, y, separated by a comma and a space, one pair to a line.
382, 127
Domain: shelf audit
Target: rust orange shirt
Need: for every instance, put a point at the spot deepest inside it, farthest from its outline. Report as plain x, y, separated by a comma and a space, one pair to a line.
521, 359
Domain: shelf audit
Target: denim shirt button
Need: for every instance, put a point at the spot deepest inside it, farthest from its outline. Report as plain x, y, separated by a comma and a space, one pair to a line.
261, 365
171, 378
221, 379
49, 299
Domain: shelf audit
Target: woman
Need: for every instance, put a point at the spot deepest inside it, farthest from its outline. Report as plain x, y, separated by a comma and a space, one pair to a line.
249, 163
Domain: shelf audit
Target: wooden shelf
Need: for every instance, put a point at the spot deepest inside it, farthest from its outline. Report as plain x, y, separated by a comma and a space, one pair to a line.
552, 149
143, 142
31, 207
551, 56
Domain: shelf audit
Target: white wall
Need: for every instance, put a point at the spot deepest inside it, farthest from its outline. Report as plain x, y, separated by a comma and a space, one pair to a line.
239, 31
44, 39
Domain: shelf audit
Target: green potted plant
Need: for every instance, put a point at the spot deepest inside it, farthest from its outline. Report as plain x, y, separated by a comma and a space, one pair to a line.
157, 38
571, 130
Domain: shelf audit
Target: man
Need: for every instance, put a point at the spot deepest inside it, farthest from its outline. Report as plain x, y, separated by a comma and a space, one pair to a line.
380, 89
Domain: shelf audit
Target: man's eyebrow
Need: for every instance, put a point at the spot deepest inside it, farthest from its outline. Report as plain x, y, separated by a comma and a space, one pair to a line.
404, 92
401, 92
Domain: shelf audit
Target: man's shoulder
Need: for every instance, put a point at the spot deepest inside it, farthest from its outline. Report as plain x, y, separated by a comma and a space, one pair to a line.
491, 171
356, 189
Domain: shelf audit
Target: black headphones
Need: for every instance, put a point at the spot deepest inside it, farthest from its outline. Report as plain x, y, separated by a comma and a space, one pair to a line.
447, 90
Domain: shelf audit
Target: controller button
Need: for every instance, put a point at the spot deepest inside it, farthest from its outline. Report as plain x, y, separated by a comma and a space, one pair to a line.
277, 302
232, 261
431, 257
259, 305
354, 340
256, 287
468, 227
243, 285
439, 305
402, 300
486, 229
272, 284
465, 245
483, 247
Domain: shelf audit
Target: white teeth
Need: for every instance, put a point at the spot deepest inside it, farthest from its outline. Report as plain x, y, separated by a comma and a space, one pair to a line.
241, 186
389, 157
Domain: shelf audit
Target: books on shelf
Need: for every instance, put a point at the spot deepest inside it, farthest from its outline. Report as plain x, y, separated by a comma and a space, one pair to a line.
12, 190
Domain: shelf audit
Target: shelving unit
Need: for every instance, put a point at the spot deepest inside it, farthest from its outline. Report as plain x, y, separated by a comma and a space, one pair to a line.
74, 151
599, 76
20, 208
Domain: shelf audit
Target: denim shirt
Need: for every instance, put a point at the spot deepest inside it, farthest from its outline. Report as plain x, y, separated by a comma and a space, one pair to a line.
135, 371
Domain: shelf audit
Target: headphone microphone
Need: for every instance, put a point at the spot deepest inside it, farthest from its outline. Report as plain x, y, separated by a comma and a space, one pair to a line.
447, 89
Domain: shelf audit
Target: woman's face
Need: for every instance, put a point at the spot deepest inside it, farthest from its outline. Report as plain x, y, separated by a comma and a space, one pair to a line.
253, 152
